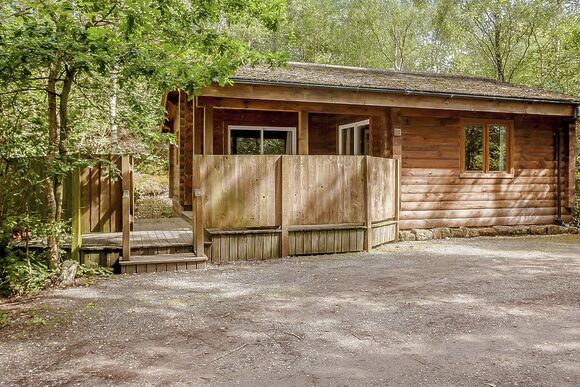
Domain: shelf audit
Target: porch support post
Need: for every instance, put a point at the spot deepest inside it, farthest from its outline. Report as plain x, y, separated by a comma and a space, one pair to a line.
395, 132
284, 179
368, 241
379, 136
76, 230
397, 195
208, 130
126, 206
302, 132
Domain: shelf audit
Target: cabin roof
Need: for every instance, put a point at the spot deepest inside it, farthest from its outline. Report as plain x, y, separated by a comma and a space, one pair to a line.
356, 78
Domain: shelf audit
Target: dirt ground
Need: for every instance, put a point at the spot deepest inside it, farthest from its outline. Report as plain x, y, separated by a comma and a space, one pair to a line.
498, 311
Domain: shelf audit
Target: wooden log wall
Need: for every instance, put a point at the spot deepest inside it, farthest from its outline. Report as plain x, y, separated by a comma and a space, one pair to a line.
434, 195
101, 196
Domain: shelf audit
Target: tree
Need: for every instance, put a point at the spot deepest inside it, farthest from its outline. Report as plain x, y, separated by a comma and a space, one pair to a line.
52, 49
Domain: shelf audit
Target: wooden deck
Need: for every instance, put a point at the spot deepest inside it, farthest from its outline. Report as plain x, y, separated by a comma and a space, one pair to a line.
139, 239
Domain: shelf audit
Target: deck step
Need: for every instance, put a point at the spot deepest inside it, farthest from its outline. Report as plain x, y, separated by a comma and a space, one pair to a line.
162, 262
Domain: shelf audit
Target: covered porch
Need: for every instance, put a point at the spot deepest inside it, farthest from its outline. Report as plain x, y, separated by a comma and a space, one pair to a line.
262, 179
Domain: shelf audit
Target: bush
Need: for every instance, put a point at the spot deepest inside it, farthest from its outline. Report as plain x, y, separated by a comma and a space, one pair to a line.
23, 272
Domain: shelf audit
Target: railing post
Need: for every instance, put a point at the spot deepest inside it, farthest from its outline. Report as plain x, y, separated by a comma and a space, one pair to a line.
197, 226
368, 241
284, 179
126, 225
76, 231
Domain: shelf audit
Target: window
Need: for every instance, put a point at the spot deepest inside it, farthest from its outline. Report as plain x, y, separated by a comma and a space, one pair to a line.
353, 139
253, 140
486, 149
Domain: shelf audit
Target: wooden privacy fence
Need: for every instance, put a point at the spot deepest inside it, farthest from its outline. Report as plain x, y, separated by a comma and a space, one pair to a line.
271, 206
101, 200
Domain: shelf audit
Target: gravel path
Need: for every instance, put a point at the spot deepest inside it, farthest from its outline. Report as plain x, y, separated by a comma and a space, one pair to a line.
455, 312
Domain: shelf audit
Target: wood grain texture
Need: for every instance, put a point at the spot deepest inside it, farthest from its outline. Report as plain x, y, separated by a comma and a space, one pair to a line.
433, 193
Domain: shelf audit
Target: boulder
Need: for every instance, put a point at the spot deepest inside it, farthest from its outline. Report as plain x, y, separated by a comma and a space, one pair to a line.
554, 229
68, 272
458, 232
406, 236
504, 230
573, 230
423, 235
538, 230
486, 231
521, 230
441, 232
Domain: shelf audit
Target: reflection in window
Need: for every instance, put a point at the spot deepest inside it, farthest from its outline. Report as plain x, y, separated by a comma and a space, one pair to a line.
473, 148
245, 142
497, 148
256, 141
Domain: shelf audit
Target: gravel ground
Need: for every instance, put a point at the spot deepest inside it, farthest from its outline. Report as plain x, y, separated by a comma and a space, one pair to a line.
456, 312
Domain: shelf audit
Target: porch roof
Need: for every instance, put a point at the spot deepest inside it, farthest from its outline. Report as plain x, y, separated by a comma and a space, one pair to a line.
356, 78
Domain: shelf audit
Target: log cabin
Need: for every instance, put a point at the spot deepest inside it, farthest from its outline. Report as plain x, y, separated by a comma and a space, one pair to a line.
310, 158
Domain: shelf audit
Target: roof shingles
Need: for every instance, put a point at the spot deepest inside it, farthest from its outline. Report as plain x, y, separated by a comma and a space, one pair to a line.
315, 75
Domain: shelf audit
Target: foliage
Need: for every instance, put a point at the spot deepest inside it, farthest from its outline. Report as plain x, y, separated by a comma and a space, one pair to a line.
58, 60
23, 272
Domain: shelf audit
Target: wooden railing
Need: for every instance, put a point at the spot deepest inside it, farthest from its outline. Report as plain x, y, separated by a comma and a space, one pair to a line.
294, 195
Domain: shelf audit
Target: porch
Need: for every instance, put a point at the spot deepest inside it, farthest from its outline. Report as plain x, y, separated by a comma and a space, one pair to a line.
268, 206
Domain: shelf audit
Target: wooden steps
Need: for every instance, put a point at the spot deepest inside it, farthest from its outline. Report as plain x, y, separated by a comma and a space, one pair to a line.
162, 262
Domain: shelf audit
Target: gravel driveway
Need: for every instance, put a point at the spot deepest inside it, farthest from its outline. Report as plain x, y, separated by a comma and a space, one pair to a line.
464, 312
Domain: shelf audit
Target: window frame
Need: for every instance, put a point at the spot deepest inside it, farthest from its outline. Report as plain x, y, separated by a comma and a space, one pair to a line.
290, 129
356, 135
486, 173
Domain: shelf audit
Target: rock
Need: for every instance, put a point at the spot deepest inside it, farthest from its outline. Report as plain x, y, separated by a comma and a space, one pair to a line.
504, 230
441, 233
538, 230
406, 236
423, 235
554, 229
458, 232
486, 231
470, 232
68, 272
521, 230
573, 230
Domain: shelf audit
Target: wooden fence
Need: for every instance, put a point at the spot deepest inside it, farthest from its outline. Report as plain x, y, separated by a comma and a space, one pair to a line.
271, 206
101, 193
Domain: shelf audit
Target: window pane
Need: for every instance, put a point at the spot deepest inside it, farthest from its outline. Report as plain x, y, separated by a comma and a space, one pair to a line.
245, 142
276, 142
347, 139
364, 140
474, 148
497, 148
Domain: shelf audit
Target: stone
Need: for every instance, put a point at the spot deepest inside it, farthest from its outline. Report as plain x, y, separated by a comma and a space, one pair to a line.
504, 230
68, 272
441, 232
470, 232
573, 230
554, 229
406, 236
458, 232
423, 235
486, 231
521, 230
538, 230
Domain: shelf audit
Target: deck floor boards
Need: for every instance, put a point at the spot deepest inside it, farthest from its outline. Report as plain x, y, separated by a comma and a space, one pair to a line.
139, 239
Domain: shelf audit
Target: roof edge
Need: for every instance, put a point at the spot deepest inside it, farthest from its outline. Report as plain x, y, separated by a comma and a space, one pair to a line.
250, 81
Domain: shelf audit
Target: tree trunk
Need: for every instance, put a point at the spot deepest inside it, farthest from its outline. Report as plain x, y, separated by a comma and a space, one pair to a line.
113, 113
51, 201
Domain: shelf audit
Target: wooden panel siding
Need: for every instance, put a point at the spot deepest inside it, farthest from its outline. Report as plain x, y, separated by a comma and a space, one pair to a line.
239, 191
326, 190
434, 195
292, 205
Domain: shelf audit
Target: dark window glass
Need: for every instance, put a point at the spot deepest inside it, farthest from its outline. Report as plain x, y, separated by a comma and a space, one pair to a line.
245, 142
276, 142
474, 148
364, 140
497, 148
